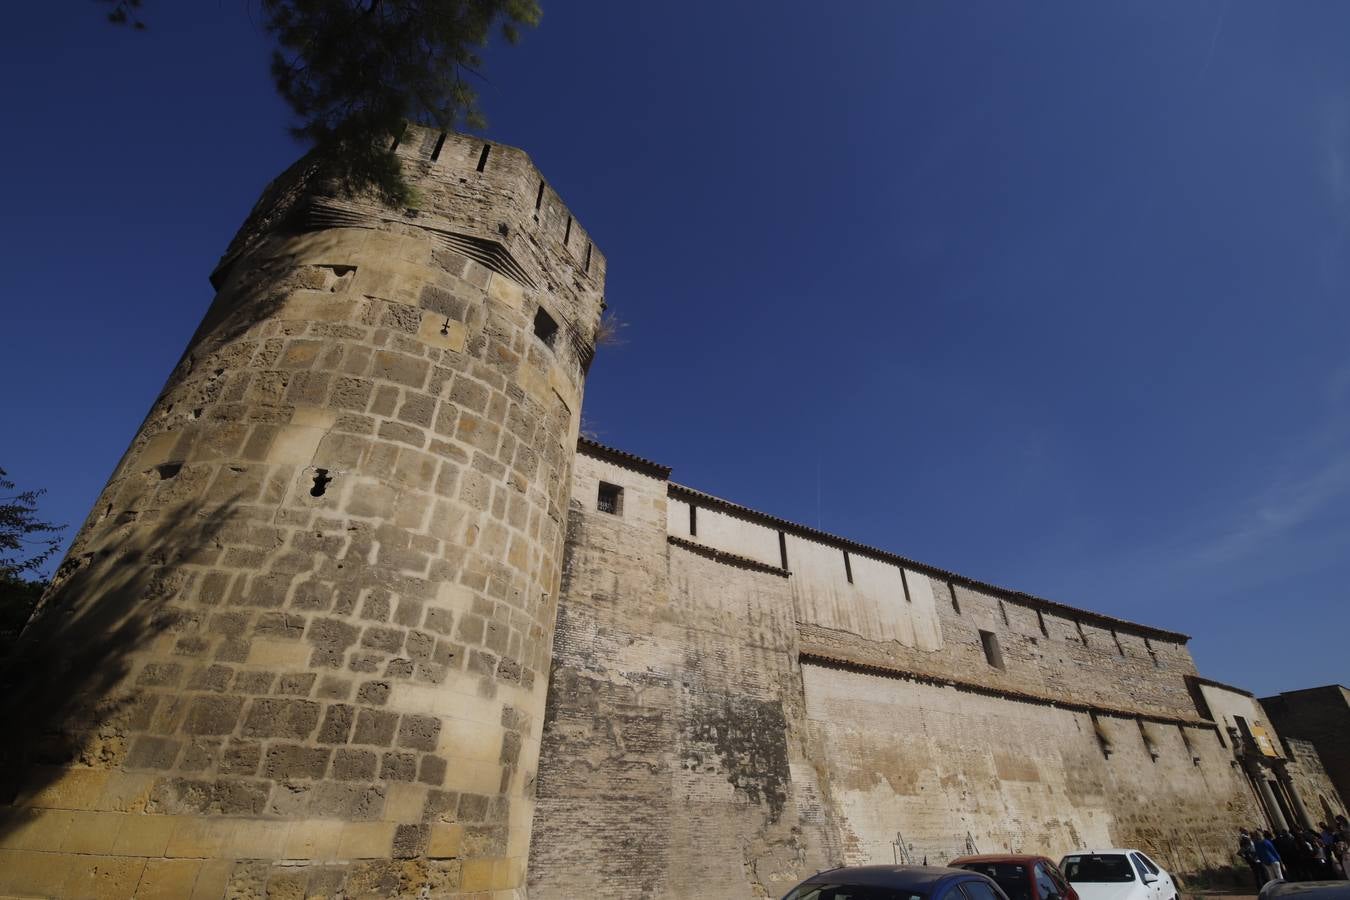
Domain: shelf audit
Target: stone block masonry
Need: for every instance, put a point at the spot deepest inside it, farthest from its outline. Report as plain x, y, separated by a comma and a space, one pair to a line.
301, 645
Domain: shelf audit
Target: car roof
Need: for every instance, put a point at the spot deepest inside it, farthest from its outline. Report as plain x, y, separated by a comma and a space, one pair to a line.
1308, 890
903, 877
1024, 858
1098, 851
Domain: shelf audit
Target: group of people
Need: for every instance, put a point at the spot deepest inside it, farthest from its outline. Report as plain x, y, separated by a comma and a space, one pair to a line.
1300, 854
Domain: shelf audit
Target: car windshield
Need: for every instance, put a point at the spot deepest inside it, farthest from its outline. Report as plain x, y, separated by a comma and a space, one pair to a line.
1108, 867
850, 892
1012, 877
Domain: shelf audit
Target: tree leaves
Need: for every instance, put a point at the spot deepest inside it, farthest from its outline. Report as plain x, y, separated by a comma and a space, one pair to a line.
355, 71
125, 12
26, 542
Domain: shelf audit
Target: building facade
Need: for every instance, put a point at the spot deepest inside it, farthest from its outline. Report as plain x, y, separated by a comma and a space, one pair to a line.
737, 700
359, 614
1319, 719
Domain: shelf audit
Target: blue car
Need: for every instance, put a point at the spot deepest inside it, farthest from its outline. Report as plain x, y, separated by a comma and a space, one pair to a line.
896, 883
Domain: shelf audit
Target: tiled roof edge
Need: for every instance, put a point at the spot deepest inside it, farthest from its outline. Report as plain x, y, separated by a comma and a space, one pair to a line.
853, 665
1200, 679
722, 556
1031, 600
622, 458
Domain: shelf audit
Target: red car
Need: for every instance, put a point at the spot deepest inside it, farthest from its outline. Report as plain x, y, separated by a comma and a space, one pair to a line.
1022, 877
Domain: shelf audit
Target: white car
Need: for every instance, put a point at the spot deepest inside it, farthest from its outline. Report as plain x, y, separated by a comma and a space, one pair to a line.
1117, 874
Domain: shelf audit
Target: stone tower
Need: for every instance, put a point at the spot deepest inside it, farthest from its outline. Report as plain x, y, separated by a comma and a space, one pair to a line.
301, 645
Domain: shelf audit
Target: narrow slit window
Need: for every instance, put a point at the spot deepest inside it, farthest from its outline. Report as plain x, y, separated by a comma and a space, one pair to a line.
848, 568
567, 232
586, 267
436, 152
482, 157
693, 520
993, 653
539, 197
545, 328
904, 583
1040, 620
956, 604
1003, 611
782, 549
1082, 635
1120, 648
610, 499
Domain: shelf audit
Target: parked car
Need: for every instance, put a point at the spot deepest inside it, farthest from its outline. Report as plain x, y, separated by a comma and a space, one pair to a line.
1117, 874
1306, 890
896, 883
1022, 876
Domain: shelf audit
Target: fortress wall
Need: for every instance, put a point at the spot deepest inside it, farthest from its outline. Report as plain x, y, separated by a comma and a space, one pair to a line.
718, 726
930, 625
944, 767
729, 533
668, 768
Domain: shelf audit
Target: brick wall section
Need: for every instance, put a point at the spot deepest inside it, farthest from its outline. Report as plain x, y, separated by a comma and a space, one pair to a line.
309, 619
1320, 716
667, 766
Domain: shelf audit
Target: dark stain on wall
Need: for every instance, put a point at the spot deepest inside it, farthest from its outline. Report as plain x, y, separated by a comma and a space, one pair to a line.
744, 738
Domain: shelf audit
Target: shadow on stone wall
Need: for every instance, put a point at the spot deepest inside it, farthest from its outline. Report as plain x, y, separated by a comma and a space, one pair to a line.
64, 699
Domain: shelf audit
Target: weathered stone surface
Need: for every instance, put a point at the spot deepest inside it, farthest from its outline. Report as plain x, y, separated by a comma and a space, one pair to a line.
736, 702
253, 616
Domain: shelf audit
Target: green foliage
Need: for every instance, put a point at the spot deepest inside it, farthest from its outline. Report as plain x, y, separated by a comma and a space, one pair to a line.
355, 71
26, 542
125, 12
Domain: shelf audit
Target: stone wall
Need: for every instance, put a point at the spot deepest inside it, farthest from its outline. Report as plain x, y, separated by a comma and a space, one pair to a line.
1320, 716
738, 701
1312, 782
954, 771
301, 645
667, 768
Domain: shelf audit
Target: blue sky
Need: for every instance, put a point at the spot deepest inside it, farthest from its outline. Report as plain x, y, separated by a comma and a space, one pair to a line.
1053, 294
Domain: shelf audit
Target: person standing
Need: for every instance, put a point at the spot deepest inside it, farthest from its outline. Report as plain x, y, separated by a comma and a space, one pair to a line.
1247, 853
1287, 846
1316, 853
1269, 857
1337, 855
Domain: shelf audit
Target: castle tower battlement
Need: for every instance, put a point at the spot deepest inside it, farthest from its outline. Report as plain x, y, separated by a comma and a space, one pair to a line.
302, 642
